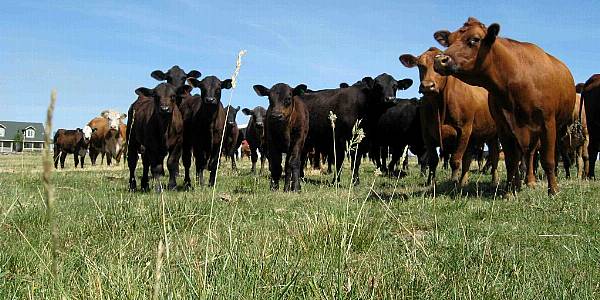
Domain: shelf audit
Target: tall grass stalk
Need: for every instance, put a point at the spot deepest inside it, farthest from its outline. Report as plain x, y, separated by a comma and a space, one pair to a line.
158, 270
332, 118
238, 65
48, 188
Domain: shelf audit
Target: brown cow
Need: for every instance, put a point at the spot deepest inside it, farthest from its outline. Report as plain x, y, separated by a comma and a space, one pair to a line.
286, 129
71, 142
155, 129
122, 141
106, 139
531, 93
463, 111
231, 136
591, 99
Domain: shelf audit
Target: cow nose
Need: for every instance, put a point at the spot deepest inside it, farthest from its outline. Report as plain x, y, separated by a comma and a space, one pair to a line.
209, 99
165, 109
444, 64
391, 98
115, 127
259, 124
427, 86
277, 116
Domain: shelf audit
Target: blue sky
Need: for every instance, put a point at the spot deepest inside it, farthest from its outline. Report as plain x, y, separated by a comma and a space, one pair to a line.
97, 53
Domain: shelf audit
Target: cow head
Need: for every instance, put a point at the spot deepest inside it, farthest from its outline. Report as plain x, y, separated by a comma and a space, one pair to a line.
231, 113
579, 88
431, 81
467, 47
384, 87
164, 96
258, 115
281, 99
210, 88
175, 76
87, 133
115, 119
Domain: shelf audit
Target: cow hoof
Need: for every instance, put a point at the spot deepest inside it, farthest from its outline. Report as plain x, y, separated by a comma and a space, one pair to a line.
531, 184
274, 186
158, 188
172, 187
187, 186
145, 188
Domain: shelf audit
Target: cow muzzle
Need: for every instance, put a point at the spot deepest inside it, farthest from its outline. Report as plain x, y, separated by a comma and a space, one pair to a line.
210, 100
277, 117
445, 65
165, 109
427, 87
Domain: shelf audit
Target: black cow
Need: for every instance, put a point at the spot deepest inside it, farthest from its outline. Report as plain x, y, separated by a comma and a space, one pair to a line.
360, 101
399, 126
204, 118
232, 134
255, 135
155, 129
175, 76
285, 132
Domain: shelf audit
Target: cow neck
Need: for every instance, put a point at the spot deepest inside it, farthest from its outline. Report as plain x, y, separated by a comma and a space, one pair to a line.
208, 112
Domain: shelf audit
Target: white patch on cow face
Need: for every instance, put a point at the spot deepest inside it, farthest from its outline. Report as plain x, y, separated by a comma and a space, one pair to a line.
114, 119
87, 133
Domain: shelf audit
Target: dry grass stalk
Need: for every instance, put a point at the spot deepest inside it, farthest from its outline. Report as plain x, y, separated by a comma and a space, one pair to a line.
158, 271
48, 188
234, 77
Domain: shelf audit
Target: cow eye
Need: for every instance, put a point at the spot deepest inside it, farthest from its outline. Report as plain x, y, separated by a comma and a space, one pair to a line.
474, 41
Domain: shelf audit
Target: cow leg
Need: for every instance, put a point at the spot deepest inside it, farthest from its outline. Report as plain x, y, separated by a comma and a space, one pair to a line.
132, 163
233, 164
287, 183
295, 169
405, 163
466, 165
145, 185
432, 162
593, 155
212, 165
108, 158
492, 159
63, 156
355, 160
173, 166
531, 165
548, 155
76, 159
201, 160
81, 160
395, 158
456, 160
339, 159
262, 163
512, 158
186, 157
585, 158
56, 155
275, 169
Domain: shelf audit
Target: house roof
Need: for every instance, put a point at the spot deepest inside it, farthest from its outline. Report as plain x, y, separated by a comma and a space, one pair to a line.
11, 128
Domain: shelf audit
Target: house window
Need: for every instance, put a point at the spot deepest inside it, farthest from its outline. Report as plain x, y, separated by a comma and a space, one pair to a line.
29, 133
2, 131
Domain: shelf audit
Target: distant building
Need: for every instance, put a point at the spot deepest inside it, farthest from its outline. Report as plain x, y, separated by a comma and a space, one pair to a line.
33, 136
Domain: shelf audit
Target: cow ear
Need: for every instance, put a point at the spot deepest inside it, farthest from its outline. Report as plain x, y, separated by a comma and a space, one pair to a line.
579, 88
104, 114
261, 90
492, 33
247, 112
408, 60
159, 75
404, 83
194, 74
343, 85
442, 37
299, 90
123, 116
226, 84
94, 129
237, 109
79, 129
144, 92
368, 82
184, 89
194, 82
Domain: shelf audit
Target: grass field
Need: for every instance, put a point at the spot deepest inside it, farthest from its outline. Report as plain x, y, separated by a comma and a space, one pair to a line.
382, 239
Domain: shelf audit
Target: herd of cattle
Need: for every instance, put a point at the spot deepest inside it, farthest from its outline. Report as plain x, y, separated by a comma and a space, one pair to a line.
482, 90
